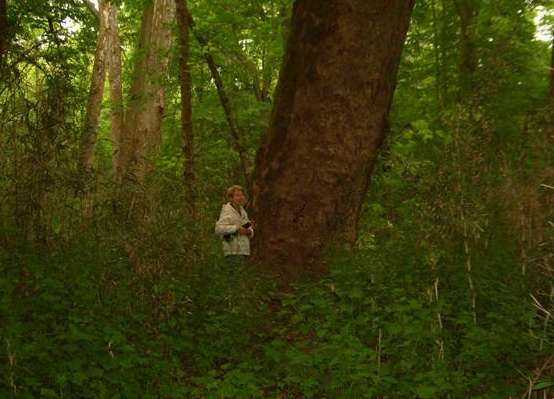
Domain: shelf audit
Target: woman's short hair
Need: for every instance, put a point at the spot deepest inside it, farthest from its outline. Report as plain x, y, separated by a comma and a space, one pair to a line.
231, 191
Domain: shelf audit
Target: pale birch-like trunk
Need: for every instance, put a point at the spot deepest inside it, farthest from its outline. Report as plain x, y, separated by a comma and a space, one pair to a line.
96, 93
116, 92
137, 146
142, 133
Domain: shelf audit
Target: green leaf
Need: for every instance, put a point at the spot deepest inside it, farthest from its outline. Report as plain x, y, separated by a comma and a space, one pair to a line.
543, 385
426, 392
48, 393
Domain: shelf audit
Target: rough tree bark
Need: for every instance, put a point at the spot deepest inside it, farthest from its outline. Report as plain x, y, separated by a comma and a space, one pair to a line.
112, 55
138, 143
142, 134
114, 77
96, 93
328, 121
187, 136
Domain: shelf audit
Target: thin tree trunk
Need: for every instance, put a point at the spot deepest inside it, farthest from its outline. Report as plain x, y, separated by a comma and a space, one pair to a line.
267, 76
187, 134
549, 136
468, 12
443, 51
551, 92
4, 29
142, 134
329, 119
116, 91
96, 93
252, 69
225, 103
437, 50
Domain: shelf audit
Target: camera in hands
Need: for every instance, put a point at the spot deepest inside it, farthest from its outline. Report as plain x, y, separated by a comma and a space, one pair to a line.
229, 237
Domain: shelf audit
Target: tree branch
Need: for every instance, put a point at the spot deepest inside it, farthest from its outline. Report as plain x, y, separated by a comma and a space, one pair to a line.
92, 8
224, 99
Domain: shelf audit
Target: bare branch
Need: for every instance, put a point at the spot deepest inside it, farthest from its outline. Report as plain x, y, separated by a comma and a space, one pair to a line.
223, 98
92, 7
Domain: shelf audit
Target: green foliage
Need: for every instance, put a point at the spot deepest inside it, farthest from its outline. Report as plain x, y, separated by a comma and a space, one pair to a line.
432, 303
80, 323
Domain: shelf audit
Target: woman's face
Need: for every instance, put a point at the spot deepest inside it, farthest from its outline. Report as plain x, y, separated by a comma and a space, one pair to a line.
238, 198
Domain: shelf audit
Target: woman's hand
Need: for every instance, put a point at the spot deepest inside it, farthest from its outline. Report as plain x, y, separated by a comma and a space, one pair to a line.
243, 231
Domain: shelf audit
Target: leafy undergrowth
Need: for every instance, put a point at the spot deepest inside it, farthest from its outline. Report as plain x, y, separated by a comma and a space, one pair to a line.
79, 323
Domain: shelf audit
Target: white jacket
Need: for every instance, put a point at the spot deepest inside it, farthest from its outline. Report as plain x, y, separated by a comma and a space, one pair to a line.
228, 221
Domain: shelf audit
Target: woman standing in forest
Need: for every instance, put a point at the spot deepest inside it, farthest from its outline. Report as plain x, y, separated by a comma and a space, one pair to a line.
234, 227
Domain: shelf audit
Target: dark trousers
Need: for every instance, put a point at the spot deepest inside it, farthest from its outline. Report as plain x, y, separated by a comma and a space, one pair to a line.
236, 261
236, 270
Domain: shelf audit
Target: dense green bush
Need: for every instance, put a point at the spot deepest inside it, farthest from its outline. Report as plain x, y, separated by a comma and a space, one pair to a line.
79, 323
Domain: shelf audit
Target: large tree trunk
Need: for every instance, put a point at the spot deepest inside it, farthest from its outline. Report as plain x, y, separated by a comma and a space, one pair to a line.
94, 105
142, 135
139, 142
329, 119
116, 92
187, 137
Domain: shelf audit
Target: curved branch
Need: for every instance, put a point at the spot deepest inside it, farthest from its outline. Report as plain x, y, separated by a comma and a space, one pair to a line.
92, 8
